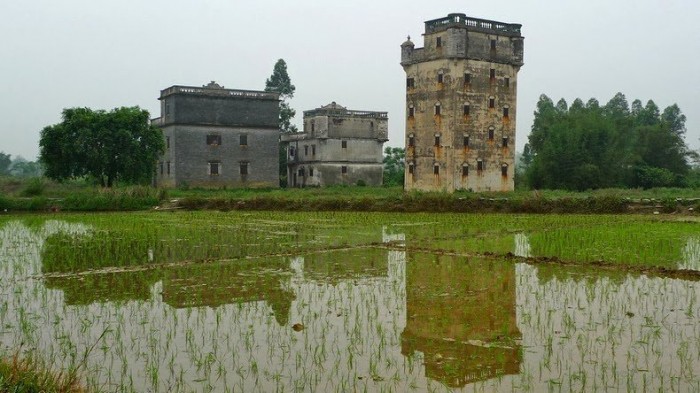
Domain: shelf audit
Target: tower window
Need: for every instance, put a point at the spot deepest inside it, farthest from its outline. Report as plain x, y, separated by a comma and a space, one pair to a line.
465, 170
411, 111
437, 109
436, 169
343, 169
438, 42
410, 83
492, 102
505, 141
437, 140
244, 168
243, 139
492, 74
467, 78
465, 141
493, 44
506, 81
506, 111
411, 141
410, 169
504, 170
466, 109
439, 77
344, 144
491, 132
480, 165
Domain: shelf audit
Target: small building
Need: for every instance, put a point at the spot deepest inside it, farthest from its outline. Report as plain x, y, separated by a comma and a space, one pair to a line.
461, 91
217, 137
338, 146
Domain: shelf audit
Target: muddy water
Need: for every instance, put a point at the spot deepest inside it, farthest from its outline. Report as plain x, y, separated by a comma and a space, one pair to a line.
376, 317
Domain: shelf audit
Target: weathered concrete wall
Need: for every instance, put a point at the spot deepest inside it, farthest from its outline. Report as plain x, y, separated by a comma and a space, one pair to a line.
461, 110
219, 106
321, 126
331, 173
362, 157
190, 156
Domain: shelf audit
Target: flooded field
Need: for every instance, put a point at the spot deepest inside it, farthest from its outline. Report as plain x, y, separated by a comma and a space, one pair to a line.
213, 301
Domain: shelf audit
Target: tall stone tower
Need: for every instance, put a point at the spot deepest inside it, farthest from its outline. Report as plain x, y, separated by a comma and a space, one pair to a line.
461, 105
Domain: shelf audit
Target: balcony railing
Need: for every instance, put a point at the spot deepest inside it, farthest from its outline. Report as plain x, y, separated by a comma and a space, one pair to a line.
475, 23
346, 113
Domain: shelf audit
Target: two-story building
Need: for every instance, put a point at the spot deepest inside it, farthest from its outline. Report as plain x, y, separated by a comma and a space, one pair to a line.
216, 137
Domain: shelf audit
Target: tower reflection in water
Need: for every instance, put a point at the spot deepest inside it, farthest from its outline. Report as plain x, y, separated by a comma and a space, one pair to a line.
461, 316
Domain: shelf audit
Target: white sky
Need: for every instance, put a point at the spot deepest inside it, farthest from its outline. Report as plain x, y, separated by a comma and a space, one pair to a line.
107, 53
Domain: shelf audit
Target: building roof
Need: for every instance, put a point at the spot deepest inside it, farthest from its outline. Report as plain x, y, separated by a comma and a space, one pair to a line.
213, 89
336, 110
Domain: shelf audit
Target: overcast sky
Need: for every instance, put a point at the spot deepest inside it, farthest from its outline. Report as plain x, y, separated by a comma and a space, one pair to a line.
104, 54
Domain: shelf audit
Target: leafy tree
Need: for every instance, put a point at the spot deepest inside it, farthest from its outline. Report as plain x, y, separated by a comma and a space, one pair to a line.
280, 82
674, 120
5, 161
394, 164
119, 145
527, 157
584, 147
618, 107
545, 116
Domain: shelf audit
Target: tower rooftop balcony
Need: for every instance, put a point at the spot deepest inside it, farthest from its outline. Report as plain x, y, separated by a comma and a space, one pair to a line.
474, 24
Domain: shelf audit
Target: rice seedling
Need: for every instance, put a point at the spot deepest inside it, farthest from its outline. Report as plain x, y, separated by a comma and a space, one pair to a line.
385, 302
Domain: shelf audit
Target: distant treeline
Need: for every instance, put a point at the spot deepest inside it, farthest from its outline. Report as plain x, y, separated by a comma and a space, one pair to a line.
588, 146
18, 167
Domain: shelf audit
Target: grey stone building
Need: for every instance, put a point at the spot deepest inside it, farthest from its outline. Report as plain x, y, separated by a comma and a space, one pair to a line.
338, 146
461, 90
218, 137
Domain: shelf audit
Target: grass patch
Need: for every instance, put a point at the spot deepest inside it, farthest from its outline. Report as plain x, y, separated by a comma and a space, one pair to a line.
25, 375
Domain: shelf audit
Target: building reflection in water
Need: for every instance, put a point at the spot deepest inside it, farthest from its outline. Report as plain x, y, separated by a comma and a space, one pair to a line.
461, 316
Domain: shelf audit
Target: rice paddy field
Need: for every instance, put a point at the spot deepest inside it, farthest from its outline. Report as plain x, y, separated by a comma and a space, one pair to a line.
353, 302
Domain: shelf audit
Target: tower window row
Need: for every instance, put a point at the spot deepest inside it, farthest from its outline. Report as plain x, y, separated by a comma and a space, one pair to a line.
480, 167
467, 80
465, 139
466, 109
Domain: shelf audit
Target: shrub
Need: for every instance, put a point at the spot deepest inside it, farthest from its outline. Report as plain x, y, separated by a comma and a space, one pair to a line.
34, 187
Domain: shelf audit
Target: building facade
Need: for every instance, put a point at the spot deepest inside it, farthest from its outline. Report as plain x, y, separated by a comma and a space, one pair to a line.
461, 90
216, 137
338, 146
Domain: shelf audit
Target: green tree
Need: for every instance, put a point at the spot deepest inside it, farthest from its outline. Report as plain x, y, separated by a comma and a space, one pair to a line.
115, 146
586, 147
394, 165
5, 161
279, 82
